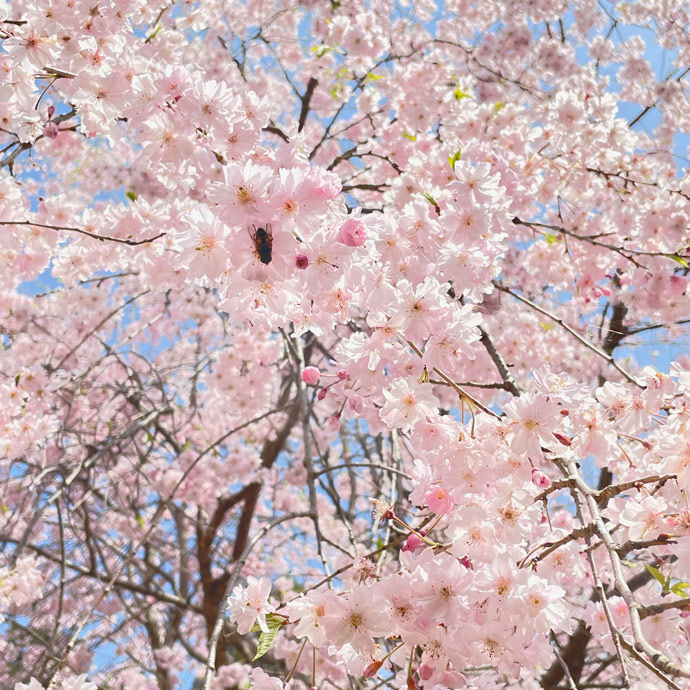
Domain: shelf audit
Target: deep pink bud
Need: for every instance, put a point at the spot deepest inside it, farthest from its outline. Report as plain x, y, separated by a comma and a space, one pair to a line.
412, 543
465, 560
322, 393
563, 439
342, 374
310, 375
353, 232
301, 261
373, 668
51, 111
540, 479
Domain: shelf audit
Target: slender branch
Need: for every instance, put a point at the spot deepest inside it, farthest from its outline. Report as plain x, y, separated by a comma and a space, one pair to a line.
498, 360
100, 238
609, 358
378, 466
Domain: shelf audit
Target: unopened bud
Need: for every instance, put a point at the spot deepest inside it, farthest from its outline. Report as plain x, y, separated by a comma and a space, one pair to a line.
540, 480
563, 439
373, 668
310, 375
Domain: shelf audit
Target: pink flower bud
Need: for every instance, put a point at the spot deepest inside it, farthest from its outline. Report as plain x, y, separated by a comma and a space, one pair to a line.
412, 543
352, 232
563, 439
540, 479
373, 668
51, 130
322, 393
342, 374
465, 560
51, 111
301, 261
310, 375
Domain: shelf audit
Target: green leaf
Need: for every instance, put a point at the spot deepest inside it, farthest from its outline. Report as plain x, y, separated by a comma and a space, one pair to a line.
679, 589
657, 575
682, 261
498, 106
268, 638
271, 619
459, 94
140, 521
550, 239
373, 77
131, 195
454, 158
411, 137
547, 326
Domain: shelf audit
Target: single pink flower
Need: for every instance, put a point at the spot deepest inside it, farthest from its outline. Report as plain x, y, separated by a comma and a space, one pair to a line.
352, 232
439, 501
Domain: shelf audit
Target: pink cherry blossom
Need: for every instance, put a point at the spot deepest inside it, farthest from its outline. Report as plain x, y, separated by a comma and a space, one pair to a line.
533, 418
470, 220
352, 232
407, 403
249, 605
439, 501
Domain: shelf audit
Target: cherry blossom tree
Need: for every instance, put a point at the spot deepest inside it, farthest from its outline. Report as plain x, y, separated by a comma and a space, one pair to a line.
342, 345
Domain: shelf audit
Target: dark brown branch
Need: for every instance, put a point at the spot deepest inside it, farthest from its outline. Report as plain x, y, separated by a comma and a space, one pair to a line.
306, 99
497, 359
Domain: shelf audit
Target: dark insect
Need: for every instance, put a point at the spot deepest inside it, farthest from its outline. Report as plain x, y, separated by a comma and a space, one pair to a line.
263, 244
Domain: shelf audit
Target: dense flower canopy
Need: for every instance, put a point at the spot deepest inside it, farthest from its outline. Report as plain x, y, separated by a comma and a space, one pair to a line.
342, 344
